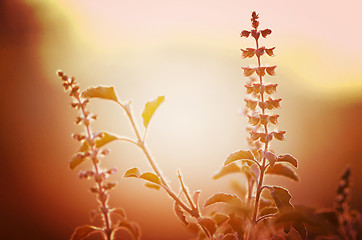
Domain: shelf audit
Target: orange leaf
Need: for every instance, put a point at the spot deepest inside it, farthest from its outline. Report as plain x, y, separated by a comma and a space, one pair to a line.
288, 158
282, 170
231, 199
239, 155
83, 231
209, 224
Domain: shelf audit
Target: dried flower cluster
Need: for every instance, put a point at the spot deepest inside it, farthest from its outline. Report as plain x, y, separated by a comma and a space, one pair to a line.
92, 149
350, 221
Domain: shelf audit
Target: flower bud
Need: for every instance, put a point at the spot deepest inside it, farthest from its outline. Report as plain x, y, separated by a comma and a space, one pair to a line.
279, 135
250, 103
269, 51
245, 34
255, 34
264, 119
265, 32
60, 73
270, 70
248, 71
274, 119
249, 89
254, 135
260, 71
254, 120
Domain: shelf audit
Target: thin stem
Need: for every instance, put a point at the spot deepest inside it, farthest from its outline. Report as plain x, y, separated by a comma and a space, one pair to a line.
185, 191
128, 140
101, 191
263, 165
265, 217
142, 145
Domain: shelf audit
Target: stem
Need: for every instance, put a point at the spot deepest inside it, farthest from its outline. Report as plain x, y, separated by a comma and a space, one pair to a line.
185, 191
265, 217
263, 165
101, 192
164, 183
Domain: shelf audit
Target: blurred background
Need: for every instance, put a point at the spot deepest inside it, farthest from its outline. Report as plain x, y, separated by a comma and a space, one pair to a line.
189, 52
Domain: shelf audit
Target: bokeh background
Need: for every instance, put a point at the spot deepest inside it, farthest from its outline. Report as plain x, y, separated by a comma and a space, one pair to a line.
189, 52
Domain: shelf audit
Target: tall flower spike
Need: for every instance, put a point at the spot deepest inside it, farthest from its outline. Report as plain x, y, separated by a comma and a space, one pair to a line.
262, 122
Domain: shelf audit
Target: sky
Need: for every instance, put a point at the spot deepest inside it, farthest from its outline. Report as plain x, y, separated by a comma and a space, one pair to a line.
188, 51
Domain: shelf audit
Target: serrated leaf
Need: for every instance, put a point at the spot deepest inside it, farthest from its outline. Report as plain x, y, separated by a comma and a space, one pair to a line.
84, 147
226, 170
209, 224
119, 212
271, 157
151, 177
133, 172
76, 161
150, 109
83, 231
281, 198
131, 227
282, 170
231, 199
152, 185
288, 158
104, 139
179, 213
239, 155
100, 92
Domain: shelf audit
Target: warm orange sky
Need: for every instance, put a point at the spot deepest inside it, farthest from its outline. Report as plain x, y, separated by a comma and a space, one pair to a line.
189, 52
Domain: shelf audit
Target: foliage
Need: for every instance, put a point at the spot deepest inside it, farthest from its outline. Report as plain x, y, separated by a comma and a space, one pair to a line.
261, 211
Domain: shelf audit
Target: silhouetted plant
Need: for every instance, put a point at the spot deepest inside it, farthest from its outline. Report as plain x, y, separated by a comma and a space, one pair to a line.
252, 210
92, 148
258, 211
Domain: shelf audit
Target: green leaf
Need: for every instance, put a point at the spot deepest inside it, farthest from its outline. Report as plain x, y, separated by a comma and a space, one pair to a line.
228, 169
100, 92
239, 155
150, 109
76, 161
231, 199
152, 185
83, 231
281, 198
282, 170
288, 158
133, 172
151, 177
104, 139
